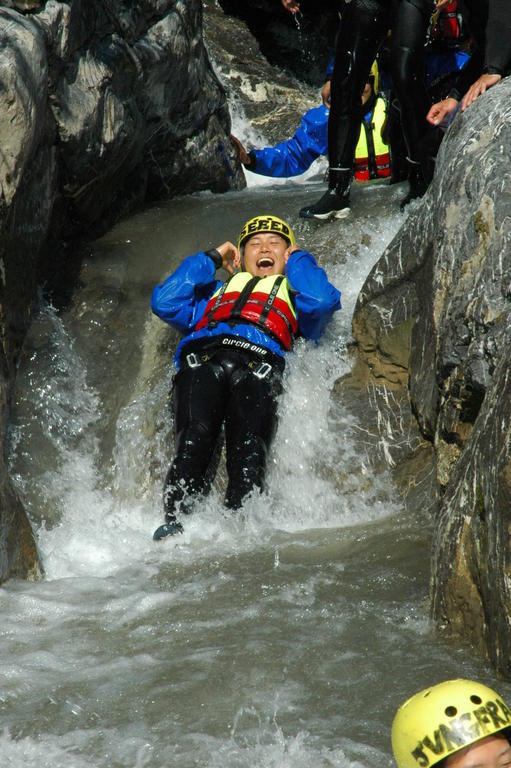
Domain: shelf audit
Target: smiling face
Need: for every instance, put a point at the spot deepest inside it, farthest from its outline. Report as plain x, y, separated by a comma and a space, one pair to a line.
491, 752
265, 254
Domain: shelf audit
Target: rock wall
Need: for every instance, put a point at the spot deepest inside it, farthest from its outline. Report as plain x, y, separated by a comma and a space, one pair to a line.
434, 315
299, 45
271, 100
104, 104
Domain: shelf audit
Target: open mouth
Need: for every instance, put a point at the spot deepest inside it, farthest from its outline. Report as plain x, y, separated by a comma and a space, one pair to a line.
265, 262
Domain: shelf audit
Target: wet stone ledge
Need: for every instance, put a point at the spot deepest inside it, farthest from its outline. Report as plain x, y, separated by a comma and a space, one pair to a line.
433, 322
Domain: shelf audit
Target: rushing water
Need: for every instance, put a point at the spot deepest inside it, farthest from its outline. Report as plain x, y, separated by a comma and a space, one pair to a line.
284, 635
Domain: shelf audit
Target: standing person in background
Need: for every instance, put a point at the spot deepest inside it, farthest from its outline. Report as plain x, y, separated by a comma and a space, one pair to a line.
364, 25
489, 22
454, 724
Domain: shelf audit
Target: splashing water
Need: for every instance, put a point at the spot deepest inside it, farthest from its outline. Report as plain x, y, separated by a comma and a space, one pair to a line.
254, 638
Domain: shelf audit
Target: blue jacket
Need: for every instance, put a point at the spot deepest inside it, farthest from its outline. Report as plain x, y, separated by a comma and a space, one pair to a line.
293, 157
182, 298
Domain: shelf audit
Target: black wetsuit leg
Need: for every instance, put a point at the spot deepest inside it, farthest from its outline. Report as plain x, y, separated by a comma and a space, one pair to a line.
363, 27
250, 424
410, 20
198, 398
364, 24
225, 387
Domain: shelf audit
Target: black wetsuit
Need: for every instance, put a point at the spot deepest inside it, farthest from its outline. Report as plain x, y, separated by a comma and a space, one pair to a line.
363, 28
489, 23
216, 385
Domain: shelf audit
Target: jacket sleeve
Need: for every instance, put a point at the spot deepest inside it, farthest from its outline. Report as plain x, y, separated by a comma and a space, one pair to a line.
293, 157
316, 299
181, 299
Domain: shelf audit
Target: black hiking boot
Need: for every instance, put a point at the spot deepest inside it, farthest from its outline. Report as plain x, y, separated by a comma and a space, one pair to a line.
332, 205
335, 203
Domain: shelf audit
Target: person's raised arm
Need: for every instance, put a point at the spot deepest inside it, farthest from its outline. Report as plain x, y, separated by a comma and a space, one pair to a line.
181, 299
316, 299
231, 257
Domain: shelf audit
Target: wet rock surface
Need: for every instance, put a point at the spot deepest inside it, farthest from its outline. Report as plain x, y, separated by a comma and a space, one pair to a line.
434, 318
297, 44
272, 99
104, 104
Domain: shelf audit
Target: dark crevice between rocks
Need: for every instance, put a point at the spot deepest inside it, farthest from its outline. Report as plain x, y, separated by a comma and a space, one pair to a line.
300, 46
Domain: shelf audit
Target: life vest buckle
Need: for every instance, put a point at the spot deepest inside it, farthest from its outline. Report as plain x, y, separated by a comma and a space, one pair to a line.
192, 360
263, 370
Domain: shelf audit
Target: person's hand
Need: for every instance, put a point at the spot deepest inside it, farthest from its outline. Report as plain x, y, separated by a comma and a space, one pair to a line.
478, 88
325, 93
289, 251
441, 110
441, 4
243, 154
231, 257
293, 6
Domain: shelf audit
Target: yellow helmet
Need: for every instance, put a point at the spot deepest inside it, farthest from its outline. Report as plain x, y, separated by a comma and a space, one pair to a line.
266, 224
443, 719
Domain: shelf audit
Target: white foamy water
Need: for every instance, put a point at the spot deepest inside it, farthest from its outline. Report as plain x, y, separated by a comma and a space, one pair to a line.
283, 635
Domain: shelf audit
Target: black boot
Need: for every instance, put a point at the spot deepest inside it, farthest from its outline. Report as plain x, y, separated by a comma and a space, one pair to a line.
335, 203
173, 494
418, 183
170, 528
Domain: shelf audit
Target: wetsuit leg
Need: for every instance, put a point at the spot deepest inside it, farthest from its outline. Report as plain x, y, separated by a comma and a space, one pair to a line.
410, 21
363, 27
250, 424
199, 399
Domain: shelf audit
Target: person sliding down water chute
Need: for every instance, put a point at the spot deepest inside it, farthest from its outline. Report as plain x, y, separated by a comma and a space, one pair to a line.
454, 724
231, 360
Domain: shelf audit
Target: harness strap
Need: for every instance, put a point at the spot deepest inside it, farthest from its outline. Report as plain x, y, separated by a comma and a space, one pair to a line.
242, 298
218, 299
285, 319
371, 154
271, 299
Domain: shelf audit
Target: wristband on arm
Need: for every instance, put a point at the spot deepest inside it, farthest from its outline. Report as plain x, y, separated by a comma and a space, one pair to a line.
215, 256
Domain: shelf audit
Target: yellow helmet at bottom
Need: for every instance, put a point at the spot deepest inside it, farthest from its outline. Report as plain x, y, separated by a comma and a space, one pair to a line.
266, 224
445, 718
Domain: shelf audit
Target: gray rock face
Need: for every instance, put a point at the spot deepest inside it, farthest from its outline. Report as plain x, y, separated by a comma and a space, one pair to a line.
435, 313
298, 45
271, 99
104, 104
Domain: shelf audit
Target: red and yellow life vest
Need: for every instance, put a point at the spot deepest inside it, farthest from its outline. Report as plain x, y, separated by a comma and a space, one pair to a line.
372, 157
261, 301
